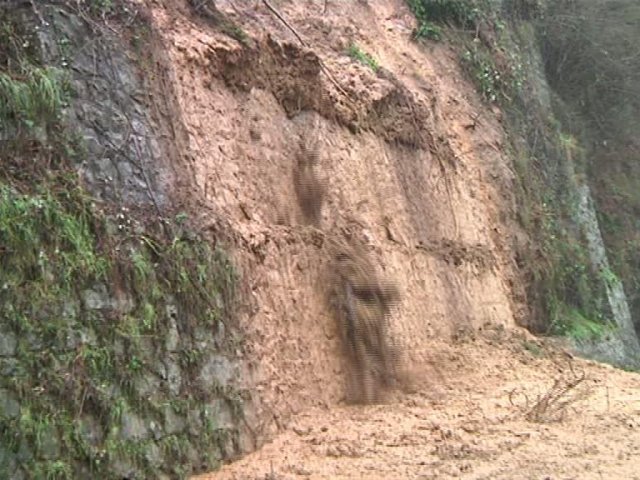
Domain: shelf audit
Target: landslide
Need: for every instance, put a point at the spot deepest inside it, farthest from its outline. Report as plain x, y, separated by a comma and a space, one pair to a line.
411, 165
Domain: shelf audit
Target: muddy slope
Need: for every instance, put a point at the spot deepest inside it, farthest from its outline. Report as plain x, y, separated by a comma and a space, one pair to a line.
408, 160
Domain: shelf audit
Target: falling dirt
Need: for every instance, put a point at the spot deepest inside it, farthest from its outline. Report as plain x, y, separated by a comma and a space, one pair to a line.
291, 145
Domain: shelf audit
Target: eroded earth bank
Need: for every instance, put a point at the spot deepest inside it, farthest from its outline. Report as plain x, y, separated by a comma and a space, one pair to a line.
413, 167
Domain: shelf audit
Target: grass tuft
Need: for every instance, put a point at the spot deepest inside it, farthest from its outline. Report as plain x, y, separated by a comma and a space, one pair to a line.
363, 57
34, 97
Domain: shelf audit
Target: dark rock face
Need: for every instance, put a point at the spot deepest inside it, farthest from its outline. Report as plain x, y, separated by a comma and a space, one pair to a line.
172, 417
124, 159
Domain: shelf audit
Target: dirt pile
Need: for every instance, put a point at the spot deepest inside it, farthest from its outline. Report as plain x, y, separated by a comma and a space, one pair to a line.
474, 422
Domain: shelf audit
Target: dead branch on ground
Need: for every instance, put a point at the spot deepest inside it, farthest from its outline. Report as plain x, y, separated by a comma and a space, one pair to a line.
552, 406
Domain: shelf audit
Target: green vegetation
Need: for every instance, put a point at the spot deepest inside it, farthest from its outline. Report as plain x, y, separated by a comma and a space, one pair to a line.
484, 72
55, 246
363, 57
432, 14
532, 348
488, 53
207, 9
33, 98
572, 323
101, 7
234, 31
590, 62
563, 286
89, 294
494, 38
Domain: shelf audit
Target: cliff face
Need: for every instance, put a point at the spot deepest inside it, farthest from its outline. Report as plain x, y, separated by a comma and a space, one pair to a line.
235, 154
411, 165
595, 78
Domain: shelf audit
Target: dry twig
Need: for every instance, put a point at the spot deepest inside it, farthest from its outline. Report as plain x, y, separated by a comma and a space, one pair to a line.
552, 406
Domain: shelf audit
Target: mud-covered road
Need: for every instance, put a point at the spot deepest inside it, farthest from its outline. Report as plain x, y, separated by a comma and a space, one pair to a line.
478, 420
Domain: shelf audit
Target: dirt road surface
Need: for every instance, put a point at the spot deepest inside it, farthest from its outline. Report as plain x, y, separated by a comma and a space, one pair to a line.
482, 415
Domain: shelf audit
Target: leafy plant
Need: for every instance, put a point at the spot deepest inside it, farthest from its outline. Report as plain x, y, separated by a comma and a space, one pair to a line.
55, 470
363, 57
459, 13
484, 73
101, 7
33, 97
429, 30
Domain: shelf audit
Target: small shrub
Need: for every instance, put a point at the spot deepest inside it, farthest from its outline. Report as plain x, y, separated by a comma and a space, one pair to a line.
532, 348
363, 57
428, 30
567, 390
495, 81
571, 322
524, 9
235, 32
459, 13
33, 97
484, 73
55, 470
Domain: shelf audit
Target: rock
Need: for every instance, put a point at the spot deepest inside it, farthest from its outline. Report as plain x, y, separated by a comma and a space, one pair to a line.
18, 475
194, 421
218, 370
90, 431
173, 423
9, 406
228, 446
193, 455
8, 344
123, 468
8, 461
219, 414
221, 333
8, 366
69, 310
201, 335
246, 441
97, 298
24, 454
80, 336
173, 337
174, 376
149, 353
124, 303
147, 385
156, 430
133, 427
153, 454
119, 349
49, 447
34, 342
